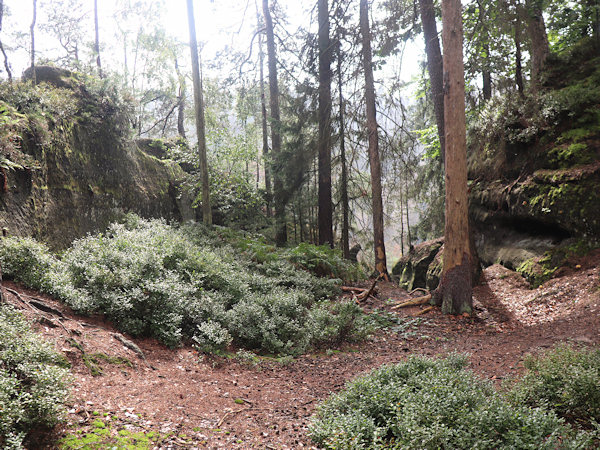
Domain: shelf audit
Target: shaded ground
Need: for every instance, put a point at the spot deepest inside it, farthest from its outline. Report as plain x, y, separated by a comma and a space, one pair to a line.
194, 401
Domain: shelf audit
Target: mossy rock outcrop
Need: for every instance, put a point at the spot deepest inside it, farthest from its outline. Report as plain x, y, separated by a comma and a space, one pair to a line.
69, 165
412, 269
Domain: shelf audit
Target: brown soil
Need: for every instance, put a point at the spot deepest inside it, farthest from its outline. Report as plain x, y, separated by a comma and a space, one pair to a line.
211, 402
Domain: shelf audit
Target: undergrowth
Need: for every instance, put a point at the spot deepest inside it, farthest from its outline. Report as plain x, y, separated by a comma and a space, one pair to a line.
153, 279
424, 403
33, 381
565, 380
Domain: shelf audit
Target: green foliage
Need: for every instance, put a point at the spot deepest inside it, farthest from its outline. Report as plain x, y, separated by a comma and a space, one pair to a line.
323, 261
33, 381
152, 279
107, 433
571, 155
27, 261
429, 404
564, 380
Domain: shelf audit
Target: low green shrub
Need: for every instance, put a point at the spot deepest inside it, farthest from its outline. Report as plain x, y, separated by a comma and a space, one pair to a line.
565, 380
33, 381
324, 261
430, 404
27, 261
153, 279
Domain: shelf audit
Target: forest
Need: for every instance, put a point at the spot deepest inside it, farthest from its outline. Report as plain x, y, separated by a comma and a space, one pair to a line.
336, 224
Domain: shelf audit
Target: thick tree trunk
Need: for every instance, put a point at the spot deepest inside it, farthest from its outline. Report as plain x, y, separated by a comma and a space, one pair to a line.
265, 135
97, 39
434, 67
344, 175
540, 49
32, 33
280, 223
455, 291
6, 65
378, 244
199, 113
325, 52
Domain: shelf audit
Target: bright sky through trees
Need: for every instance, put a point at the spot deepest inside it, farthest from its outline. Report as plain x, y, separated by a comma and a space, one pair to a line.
221, 26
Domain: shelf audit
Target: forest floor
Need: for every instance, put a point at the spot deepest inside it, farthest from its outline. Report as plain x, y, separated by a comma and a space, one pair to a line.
193, 401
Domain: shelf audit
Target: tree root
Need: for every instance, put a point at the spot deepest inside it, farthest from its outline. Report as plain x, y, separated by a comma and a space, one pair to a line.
424, 311
414, 302
38, 310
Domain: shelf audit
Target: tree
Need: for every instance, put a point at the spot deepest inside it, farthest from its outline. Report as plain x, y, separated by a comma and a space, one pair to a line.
540, 49
65, 21
263, 115
375, 165
275, 119
454, 292
32, 34
325, 55
6, 65
434, 66
344, 169
97, 39
199, 113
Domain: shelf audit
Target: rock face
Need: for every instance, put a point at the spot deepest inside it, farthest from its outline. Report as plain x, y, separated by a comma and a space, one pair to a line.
412, 270
81, 172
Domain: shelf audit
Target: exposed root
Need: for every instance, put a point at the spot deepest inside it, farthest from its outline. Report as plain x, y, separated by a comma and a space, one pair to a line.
414, 302
39, 311
424, 311
425, 291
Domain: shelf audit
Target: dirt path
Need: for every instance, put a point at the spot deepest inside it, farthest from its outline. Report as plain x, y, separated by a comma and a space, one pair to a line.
201, 402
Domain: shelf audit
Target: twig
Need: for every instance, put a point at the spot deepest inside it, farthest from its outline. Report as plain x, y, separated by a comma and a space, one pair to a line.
230, 413
424, 311
414, 302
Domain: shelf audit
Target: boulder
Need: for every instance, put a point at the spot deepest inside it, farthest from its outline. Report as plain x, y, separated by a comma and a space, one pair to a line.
411, 271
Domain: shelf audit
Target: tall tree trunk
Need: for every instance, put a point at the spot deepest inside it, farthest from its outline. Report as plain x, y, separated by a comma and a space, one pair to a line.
401, 223
180, 101
407, 212
325, 52
486, 74
378, 244
434, 67
454, 292
199, 110
518, 57
32, 33
344, 175
97, 39
6, 65
265, 133
540, 49
280, 224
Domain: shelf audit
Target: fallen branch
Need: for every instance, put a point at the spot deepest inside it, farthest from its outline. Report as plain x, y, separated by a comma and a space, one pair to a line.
352, 289
424, 311
230, 413
366, 294
414, 302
